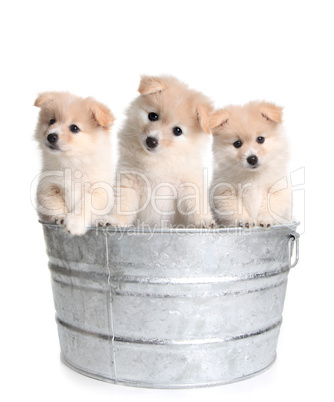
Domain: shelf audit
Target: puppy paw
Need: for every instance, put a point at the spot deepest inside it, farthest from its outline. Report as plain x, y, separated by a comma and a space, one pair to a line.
246, 223
75, 224
108, 221
102, 223
266, 222
204, 221
59, 219
208, 224
105, 223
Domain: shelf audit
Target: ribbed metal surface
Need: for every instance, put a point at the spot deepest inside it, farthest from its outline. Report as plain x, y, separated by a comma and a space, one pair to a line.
170, 309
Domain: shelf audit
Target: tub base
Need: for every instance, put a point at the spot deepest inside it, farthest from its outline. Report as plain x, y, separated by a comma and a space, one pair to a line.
162, 386
158, 364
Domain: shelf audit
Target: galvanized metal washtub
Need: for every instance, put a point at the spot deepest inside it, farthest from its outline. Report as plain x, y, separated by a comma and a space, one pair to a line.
171, 309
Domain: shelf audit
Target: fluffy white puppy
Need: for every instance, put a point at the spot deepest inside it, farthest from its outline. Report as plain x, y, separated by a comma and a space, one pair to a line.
250, 185
75, 187
160, 174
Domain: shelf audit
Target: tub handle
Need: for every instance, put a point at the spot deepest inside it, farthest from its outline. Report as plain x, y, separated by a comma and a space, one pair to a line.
293, 239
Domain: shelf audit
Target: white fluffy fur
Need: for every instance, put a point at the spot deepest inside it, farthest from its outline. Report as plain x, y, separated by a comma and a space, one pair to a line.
174, 170
241, 194
75, 187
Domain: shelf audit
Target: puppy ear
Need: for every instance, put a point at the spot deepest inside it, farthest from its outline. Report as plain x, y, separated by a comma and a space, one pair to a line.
44, 98
271, 112
203, 113
218, 119
150, 85
101, 114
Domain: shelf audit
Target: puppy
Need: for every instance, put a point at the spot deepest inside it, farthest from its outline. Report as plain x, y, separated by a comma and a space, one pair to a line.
75, 187
160, 174
250, 151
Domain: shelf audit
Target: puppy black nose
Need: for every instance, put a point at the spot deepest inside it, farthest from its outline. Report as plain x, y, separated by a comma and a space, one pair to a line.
252, 160
52, 138
152, 142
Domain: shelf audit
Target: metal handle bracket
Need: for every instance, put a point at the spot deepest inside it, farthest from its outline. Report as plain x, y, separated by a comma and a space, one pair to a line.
293, 240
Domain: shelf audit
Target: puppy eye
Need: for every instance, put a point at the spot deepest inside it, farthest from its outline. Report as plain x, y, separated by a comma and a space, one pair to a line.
237, 144
75, 129
52, 121
260, 140
153, 116
177, 131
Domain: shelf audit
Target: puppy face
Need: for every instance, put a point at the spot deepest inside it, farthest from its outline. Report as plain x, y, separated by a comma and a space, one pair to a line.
247, 137
168, 116
70, 125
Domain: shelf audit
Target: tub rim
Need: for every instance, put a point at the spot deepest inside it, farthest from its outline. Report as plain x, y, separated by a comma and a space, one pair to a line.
149, 230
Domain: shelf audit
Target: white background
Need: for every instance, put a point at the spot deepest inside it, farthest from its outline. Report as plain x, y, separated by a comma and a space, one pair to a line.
235, 51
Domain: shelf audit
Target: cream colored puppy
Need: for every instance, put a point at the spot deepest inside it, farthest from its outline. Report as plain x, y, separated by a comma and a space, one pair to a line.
160, 174
75, 187
250, 185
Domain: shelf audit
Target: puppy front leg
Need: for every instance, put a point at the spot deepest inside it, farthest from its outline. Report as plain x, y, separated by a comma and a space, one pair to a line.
193, 206
79, 219
51, 204
127, 190
228, 208
102, 204
276, 208
203, 220
227, 214
126, 207
90, 209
